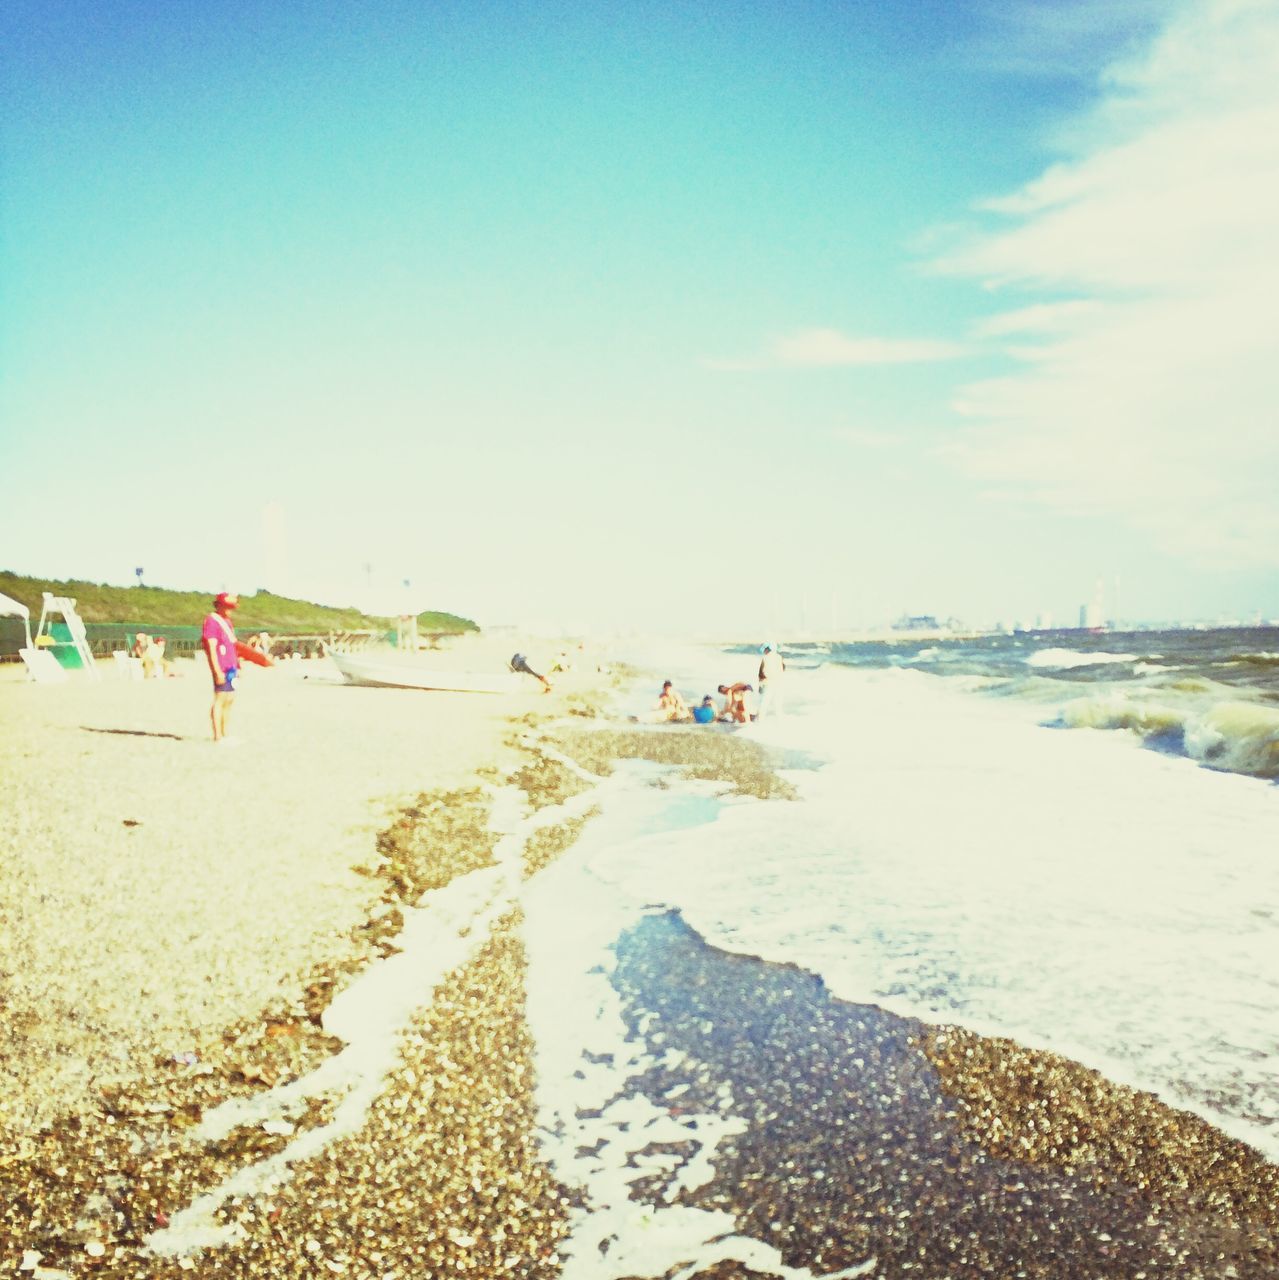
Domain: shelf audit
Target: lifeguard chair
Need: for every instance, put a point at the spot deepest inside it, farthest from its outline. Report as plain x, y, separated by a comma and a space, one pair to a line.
406, 632
74, 647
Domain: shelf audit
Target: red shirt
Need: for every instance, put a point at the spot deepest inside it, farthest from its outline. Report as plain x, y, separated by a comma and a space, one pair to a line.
222, 633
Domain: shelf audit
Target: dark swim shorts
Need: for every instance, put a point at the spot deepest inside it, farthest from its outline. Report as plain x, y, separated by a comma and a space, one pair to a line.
227, 685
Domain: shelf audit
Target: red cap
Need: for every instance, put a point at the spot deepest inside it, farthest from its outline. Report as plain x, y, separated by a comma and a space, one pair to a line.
226, 600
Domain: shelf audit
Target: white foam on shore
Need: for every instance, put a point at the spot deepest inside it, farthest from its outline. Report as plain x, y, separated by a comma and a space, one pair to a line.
369, 1015
594, 1131
955, 861
441, 933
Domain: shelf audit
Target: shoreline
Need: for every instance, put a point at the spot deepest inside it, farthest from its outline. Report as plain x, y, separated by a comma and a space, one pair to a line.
381, 1199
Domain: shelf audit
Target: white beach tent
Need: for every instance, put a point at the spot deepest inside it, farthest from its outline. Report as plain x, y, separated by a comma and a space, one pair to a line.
40, 665
16, 609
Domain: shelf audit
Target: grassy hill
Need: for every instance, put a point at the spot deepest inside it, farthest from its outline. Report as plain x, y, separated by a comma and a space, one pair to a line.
158, 607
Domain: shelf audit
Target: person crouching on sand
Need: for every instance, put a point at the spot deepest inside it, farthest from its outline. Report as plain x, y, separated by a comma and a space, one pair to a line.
735, 702
218, 638
520, 663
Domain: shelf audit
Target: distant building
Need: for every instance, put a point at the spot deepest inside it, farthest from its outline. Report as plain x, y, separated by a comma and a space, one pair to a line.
1090, 616
917, 622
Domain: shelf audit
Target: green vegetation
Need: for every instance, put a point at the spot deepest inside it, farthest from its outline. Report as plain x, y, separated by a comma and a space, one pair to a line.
96, 602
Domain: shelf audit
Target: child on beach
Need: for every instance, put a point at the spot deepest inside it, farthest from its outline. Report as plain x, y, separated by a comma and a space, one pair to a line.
704, 712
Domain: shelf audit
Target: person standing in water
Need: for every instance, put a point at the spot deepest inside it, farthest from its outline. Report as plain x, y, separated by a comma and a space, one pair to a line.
218, 638
771, 667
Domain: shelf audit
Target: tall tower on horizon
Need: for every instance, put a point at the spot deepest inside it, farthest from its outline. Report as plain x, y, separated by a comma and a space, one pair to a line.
1092, 616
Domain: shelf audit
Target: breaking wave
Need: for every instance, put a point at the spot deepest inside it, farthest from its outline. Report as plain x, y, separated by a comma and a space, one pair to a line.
1065, 659
1236, 737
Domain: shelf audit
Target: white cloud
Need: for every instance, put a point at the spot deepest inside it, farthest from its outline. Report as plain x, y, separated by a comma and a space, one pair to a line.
1152, 392
1043, 317
830, 347
1062, 37
825, 348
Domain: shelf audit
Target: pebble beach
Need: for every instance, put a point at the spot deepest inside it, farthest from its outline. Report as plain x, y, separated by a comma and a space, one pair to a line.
194, 1079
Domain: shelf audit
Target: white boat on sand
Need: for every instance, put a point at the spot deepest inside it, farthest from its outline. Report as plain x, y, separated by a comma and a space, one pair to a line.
393, 672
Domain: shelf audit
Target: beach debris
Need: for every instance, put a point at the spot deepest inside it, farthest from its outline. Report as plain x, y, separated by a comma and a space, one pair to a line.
547, 779
743, 765
431, 842
546, 844
1039, 1107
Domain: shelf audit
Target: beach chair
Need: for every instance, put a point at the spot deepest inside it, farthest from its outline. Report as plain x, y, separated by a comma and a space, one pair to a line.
127, 665
42, 666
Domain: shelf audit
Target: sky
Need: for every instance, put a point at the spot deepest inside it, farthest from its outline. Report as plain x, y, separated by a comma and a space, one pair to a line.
717, 319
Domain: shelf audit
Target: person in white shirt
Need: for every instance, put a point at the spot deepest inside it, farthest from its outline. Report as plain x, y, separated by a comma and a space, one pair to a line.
771, 667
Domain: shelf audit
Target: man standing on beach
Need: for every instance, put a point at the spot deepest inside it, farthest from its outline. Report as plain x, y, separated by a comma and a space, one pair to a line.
771, 666
218, 638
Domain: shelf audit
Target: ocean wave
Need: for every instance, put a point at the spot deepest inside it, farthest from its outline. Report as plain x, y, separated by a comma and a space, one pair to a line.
1064, 659
1241, 737
1235, 737
1115, 710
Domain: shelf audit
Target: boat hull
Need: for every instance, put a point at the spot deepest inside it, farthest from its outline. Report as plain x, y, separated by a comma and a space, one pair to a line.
389, 673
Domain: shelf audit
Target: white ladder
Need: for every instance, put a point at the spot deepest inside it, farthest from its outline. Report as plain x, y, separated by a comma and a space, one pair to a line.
65, 606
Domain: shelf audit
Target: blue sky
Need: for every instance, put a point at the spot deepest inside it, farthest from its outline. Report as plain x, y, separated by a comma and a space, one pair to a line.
669, 317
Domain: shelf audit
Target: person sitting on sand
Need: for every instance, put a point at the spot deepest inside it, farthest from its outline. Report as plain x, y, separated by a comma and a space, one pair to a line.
155, 658
160, 645
704, 712
520, 663
672, 704
735, 702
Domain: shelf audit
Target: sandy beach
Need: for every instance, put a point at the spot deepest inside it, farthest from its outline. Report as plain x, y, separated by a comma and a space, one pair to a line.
157, 886
195, 1079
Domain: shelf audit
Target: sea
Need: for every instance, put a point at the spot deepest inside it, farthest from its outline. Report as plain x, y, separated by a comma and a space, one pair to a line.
1069, 839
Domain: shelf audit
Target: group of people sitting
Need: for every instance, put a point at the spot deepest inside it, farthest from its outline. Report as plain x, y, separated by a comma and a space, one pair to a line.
740, 703
672, 707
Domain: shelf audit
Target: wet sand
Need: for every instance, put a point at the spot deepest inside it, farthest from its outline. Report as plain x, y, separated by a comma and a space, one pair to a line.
858, 1147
